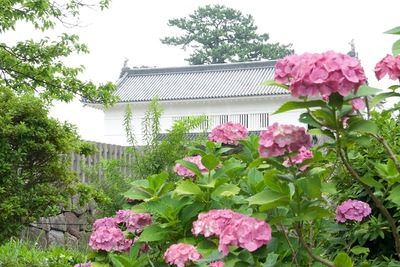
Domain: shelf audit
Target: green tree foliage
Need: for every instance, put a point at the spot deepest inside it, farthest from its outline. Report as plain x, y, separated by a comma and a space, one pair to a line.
158, 155
35, 169
35, 164
36, 65
219, 34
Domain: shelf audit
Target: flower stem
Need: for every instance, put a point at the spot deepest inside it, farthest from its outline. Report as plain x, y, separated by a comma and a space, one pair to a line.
294, 254
309, 249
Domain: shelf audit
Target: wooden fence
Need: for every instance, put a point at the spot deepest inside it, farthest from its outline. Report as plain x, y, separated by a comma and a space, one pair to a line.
80, 163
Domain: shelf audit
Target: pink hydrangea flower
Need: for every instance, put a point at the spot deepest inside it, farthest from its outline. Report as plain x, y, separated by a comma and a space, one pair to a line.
180, 254
358, 103
388, 65
122, 215
217, 264
352, 210
134, 222
212, 222
228, 133
109, 239
183, 171
324, 74
87, 264
137, 221
233, 229
106, 222
303, 154
245, 232
279, 139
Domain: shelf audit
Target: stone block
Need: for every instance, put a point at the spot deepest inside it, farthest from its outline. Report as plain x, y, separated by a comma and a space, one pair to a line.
34, 234
42, 223
58, 223
73, 224
71, 241
56, 238
84, 224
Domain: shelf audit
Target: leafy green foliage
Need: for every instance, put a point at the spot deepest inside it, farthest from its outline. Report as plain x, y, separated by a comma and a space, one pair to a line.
24, 254
36, 66
35, 172
35, 164
158, 155
298, 204
219, 34
396, 45
355, 175
149, 165
112, 182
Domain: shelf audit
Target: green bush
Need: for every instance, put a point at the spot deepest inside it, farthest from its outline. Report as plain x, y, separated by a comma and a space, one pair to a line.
35, 167
35, 163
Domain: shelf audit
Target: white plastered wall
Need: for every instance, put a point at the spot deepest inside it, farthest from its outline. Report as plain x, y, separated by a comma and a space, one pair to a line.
114, 117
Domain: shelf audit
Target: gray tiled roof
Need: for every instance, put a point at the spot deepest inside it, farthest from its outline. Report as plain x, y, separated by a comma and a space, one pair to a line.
197, 82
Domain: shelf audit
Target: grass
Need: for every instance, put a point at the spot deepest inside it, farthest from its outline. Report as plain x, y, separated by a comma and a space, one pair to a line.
23, 254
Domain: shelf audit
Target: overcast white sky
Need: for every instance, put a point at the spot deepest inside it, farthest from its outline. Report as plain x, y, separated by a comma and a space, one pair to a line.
132, 29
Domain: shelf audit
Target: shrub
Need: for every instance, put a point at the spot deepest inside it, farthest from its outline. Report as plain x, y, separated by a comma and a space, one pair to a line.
275, 201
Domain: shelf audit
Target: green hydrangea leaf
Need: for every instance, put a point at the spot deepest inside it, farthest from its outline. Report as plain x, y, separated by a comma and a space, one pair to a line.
394, 195
363, 126
187, 187
292, 105
342, 260
396, 48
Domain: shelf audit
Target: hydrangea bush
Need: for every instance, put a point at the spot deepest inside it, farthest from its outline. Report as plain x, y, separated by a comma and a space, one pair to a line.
274, 199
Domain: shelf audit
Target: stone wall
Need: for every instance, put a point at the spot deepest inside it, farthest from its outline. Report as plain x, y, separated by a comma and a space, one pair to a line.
71, 227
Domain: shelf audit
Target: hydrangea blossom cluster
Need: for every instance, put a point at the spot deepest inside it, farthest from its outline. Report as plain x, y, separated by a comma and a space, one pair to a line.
183, 171
228, 133
389, 65
179, 254
212, 222
106, 222
109, 237
324, 74
352, 210
279, 139
303, 154
233, 229
134, 222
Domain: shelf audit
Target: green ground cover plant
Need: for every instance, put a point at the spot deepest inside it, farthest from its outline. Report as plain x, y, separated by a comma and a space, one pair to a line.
27, 254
